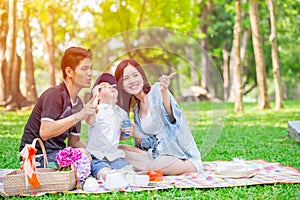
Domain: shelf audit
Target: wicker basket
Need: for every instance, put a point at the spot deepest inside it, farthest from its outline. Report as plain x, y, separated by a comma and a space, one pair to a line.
14, 183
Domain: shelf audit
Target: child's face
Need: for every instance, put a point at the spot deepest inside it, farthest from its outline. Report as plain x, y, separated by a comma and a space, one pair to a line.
107, 93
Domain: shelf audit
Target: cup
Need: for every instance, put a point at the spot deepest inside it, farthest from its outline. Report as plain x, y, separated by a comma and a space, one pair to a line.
114, 180
90, 185
155, 175
126, 124
141, 180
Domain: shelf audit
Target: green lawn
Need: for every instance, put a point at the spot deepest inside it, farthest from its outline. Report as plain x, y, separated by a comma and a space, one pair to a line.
253, 134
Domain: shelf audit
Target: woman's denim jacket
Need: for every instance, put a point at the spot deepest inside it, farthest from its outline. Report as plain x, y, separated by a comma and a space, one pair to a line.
175, 138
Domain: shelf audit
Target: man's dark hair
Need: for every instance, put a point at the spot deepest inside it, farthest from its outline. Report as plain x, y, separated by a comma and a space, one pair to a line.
72, 57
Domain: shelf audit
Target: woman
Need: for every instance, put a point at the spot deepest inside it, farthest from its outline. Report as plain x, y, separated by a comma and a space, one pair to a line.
161, 131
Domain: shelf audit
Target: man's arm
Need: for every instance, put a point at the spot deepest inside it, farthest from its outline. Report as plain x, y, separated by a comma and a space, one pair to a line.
50, 129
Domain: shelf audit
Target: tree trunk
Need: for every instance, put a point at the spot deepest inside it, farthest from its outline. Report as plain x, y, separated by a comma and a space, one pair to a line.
243, 46
193, 70
245, 34
19, 100
205, 11
232, 78
50, 47
225, 54
10, 47
15, 99
244, 43
238, 104
263, 98
31, 93
3, 64
275, 58
10, 52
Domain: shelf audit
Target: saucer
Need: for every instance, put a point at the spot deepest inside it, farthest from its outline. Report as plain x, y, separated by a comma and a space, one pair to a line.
142, 186
110, 188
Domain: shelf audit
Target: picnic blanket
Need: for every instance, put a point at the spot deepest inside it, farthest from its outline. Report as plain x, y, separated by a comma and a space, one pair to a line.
262, 172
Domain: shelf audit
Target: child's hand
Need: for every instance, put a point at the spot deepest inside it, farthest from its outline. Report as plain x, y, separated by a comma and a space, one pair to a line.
95, 92
126, 132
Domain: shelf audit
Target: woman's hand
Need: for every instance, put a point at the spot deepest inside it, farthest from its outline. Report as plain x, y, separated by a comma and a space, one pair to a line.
164, 84
165, 81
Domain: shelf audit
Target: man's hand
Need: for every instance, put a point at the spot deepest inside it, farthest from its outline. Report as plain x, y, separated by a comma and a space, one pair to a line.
89, 109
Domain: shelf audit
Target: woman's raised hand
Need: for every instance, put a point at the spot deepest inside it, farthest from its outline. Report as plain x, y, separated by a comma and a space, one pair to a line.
165, 80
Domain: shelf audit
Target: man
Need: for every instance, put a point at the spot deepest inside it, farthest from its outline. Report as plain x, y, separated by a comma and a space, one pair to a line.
58, 113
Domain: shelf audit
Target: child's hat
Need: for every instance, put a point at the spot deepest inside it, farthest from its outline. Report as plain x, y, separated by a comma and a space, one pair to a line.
105, 77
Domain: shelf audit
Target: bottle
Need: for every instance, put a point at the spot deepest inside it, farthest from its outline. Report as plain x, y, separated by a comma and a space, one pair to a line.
126, 124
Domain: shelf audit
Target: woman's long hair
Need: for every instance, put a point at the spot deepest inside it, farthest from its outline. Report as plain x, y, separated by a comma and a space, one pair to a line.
124, 98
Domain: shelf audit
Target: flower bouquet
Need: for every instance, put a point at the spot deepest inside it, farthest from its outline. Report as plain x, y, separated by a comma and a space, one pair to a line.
72, 159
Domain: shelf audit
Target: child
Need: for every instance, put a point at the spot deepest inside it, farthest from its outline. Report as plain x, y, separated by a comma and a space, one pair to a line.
104, 131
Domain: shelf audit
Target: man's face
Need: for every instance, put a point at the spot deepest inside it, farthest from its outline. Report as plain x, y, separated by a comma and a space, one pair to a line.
83, 74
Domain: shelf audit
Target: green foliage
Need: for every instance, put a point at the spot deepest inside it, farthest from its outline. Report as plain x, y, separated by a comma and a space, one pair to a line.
52, 165
90, 23
252, 134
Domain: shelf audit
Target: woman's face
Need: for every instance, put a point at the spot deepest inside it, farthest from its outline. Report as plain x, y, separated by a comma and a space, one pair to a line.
132, 80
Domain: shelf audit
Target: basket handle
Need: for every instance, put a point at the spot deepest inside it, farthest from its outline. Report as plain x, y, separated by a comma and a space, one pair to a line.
43, 149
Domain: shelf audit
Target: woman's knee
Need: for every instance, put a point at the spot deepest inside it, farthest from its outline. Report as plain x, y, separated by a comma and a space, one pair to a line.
171, 165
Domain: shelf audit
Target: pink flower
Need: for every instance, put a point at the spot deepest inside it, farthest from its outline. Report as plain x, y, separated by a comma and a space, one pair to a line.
67, 156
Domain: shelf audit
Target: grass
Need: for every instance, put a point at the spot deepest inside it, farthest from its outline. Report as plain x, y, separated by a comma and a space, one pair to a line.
252, 134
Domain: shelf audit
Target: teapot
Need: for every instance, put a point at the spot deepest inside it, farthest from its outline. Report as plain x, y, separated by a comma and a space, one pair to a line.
115, 180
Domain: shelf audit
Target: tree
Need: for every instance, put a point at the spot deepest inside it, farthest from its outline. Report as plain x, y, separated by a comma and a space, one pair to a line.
263, 98
206, 10
275, 57
238, 106
31, 93
74, 22
14, 99
245, 34
3, 63
225, 67
47, 33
